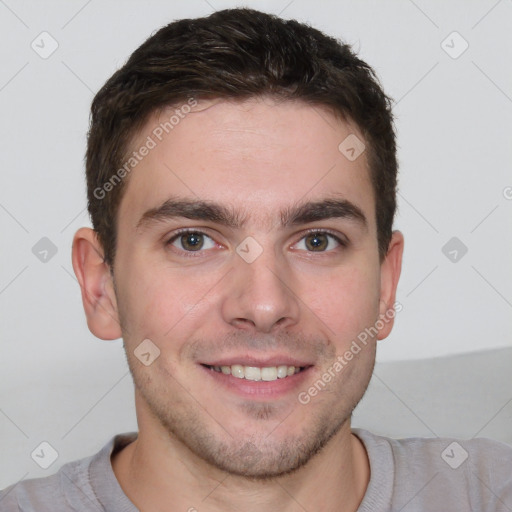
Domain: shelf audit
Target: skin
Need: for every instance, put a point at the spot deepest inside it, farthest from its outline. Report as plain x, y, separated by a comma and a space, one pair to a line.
201, 444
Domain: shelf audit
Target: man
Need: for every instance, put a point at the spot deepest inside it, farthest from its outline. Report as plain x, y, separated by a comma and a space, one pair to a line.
241, 173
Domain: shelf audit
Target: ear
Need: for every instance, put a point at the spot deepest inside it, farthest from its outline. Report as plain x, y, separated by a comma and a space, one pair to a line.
96, 283
389, 276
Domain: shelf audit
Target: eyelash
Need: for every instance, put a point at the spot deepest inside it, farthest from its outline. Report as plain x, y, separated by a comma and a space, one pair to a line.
195, 254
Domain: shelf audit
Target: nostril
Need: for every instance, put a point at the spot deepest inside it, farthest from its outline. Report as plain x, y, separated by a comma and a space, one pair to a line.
242, 322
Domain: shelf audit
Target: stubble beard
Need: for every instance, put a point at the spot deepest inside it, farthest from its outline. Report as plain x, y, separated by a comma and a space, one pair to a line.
261, 457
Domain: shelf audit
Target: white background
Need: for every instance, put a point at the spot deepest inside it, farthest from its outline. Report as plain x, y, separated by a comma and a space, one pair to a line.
453, 116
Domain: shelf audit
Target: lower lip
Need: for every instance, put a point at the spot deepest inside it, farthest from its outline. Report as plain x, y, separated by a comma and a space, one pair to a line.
260, 389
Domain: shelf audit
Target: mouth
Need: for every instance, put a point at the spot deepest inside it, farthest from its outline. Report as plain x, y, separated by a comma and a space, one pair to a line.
257, 373
256, 380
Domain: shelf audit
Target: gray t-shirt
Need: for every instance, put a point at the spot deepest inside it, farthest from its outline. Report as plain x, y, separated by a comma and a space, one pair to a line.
413, 474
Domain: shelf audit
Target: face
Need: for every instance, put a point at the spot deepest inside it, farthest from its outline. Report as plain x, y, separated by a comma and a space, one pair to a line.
251, 281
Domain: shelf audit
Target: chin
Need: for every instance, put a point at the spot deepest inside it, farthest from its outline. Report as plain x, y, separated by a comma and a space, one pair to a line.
265, 457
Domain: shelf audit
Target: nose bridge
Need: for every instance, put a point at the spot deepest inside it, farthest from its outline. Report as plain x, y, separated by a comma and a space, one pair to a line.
261, 289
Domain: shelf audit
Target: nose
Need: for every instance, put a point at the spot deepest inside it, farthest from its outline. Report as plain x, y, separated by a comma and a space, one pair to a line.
260, 295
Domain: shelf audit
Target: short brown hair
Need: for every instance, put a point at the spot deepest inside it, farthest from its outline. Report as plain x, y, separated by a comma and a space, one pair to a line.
236, 54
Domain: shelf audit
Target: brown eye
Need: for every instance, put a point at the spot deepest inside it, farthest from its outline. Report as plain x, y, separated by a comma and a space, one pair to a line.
320, 241
317, 241
191, 241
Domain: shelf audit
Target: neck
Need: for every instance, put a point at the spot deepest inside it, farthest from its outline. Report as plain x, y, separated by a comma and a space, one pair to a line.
157, 470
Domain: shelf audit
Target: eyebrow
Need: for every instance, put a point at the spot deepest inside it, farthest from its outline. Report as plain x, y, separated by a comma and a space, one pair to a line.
205, 210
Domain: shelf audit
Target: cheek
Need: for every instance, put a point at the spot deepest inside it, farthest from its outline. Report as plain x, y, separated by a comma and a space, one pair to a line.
346, 303
161, 302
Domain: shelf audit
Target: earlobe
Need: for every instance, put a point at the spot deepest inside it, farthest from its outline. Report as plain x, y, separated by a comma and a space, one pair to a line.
95, 280
390, 274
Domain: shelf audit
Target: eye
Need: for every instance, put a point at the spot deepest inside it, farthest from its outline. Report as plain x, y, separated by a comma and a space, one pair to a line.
191, 241
320, 241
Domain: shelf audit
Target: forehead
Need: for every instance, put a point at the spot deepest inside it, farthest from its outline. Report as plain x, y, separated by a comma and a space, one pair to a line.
257, 156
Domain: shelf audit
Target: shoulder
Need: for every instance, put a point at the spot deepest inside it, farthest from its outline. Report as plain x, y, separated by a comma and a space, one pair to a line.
35, 494
480, 452
474, 472
478, 468
73, 487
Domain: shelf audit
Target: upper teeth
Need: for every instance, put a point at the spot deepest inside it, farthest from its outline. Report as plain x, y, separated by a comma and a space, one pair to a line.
267, 373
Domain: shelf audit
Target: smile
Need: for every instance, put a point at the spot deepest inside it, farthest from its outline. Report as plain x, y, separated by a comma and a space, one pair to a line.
255, 373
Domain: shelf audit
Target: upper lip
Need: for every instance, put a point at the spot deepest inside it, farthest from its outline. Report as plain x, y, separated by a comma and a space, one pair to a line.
251, 360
